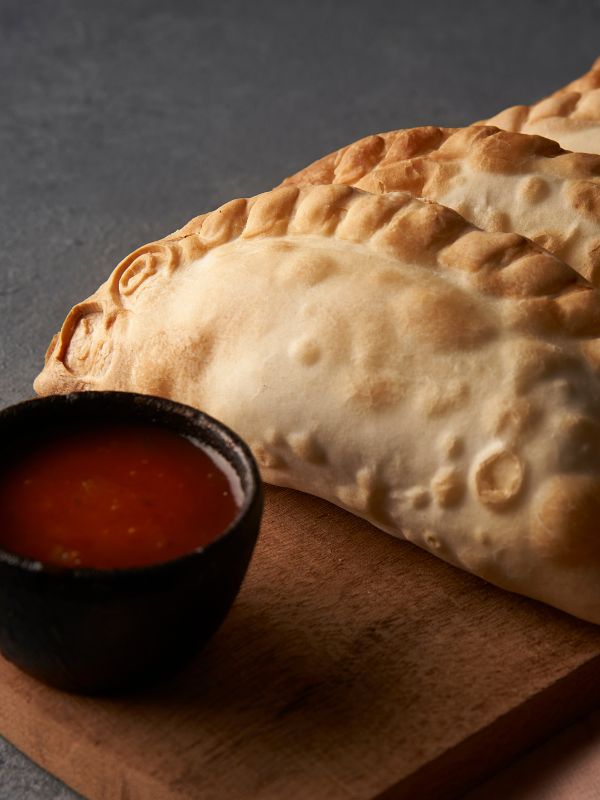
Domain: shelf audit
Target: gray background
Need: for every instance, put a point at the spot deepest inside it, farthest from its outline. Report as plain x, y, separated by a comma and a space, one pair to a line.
121, 119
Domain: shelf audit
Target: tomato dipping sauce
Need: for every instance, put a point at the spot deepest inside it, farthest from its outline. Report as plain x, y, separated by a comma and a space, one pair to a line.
114, 497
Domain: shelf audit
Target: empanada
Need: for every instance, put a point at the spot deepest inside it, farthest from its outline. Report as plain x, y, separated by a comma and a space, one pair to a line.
380, 352
499, 181
570, 116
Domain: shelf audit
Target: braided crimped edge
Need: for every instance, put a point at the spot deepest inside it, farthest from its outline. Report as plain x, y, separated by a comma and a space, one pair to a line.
418, 150
551, 297
396, 223
562, 103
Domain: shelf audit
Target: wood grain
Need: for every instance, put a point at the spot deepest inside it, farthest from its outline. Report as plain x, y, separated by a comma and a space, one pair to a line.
351, 666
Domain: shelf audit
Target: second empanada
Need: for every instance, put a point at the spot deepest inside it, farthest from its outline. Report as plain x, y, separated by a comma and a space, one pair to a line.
497, 180
570, 116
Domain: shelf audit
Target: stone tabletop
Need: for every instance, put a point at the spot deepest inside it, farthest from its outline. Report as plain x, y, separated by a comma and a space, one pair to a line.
120, 119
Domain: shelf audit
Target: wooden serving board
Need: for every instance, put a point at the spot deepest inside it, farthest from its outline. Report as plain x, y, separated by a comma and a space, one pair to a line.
352, 665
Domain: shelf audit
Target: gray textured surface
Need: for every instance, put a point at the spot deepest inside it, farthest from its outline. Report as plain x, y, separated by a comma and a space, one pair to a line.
121, 119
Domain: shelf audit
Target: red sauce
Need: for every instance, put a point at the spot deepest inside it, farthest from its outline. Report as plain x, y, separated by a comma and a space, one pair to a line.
113, 498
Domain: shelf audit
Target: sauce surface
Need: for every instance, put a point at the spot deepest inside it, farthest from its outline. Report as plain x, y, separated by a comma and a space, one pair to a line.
113, 497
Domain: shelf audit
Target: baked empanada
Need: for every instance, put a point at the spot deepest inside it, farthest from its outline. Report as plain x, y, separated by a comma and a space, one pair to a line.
380, 352
570, 116
499, 181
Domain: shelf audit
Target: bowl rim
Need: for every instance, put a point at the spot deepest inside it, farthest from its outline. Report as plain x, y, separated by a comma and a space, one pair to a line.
202, 421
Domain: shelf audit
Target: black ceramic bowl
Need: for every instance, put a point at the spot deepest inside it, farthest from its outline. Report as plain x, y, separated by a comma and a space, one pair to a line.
96, 630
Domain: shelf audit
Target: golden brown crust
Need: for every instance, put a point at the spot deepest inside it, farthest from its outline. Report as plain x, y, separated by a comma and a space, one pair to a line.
487, 148
498, 180
396, 224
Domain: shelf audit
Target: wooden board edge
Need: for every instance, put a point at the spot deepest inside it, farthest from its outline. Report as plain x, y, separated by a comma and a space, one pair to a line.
490, 749
75, 762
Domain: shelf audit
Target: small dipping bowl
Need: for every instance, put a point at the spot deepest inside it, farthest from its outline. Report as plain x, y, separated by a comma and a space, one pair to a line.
94, 630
